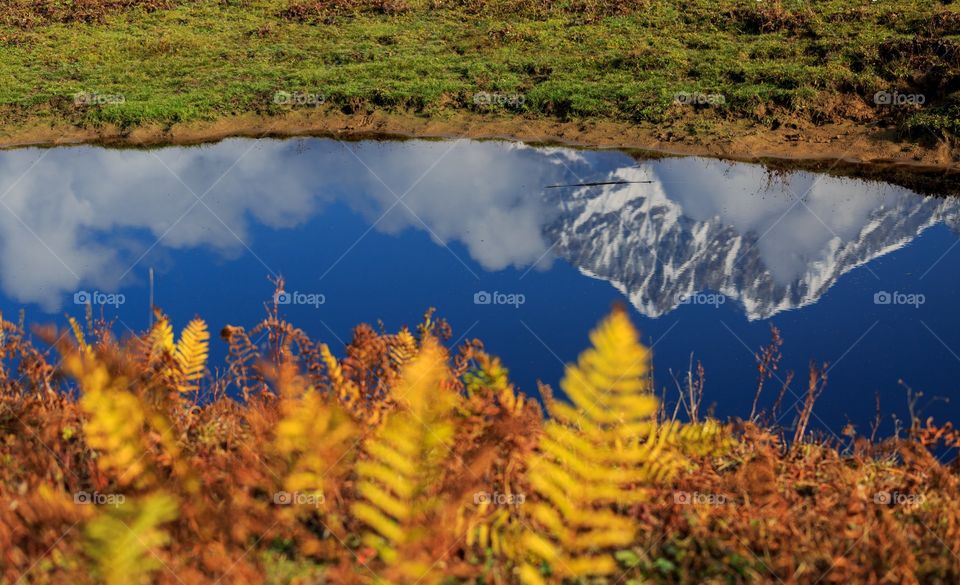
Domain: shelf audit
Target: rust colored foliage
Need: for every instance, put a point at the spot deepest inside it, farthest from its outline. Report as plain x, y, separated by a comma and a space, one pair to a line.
30, 13
399, 459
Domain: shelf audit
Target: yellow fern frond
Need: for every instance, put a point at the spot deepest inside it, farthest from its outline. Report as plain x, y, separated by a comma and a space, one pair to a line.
346, 391
124, 427
315, 435
406, 455
595, 456
161, 335
191, 355
489, 528
492, 376
706, 439
115, 418
182, 364
78, 333
123, 540
403, 348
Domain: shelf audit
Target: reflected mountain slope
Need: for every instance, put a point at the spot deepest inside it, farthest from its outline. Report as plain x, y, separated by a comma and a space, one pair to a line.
707, 227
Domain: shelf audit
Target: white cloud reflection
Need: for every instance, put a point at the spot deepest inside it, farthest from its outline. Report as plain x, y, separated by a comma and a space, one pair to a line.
88, 214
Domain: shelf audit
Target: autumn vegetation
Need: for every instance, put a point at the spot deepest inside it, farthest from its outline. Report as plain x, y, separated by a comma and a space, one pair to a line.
407, 461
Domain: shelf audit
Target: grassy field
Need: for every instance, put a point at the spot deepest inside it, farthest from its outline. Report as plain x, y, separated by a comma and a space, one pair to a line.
695, 65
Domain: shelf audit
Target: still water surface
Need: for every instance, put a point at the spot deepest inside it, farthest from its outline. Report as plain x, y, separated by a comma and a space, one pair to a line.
707, 254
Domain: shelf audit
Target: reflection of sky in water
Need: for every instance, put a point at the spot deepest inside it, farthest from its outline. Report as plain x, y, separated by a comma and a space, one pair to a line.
87, 209
326, 218
92, 212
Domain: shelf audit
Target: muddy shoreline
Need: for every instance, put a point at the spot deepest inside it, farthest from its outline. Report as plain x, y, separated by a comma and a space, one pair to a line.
846, 150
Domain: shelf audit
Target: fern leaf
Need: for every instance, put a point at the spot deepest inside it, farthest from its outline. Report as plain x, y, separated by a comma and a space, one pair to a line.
315, 435
122, 540
706, 439
161, 335
406, 456
191, 355
78, 333
402, 348
346, 391
115, 418
593, 456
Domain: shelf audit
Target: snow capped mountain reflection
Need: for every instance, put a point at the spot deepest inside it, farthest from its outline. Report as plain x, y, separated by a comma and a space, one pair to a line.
88, 217
708, 225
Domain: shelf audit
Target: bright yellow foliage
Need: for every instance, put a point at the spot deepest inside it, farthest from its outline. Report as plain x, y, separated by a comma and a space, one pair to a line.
122, 539
403, 348
116, 418
488, 527
191, 354
184, 362
78, 333
161, 335
315, 434
705, 439
405, 457
346, 391
491, 375
433, 437
595, 456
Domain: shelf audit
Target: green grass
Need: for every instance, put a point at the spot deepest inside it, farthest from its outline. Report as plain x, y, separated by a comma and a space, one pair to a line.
186, 60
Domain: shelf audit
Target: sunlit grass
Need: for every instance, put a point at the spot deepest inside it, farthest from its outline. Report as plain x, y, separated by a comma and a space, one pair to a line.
202, 60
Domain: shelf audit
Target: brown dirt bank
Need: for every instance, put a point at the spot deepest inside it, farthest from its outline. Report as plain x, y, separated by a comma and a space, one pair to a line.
839, 149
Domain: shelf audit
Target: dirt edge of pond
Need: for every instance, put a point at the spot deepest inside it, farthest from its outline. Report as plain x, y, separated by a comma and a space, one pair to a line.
841, 149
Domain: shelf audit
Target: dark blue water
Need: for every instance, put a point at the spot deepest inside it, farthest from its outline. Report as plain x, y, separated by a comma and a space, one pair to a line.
708, 254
